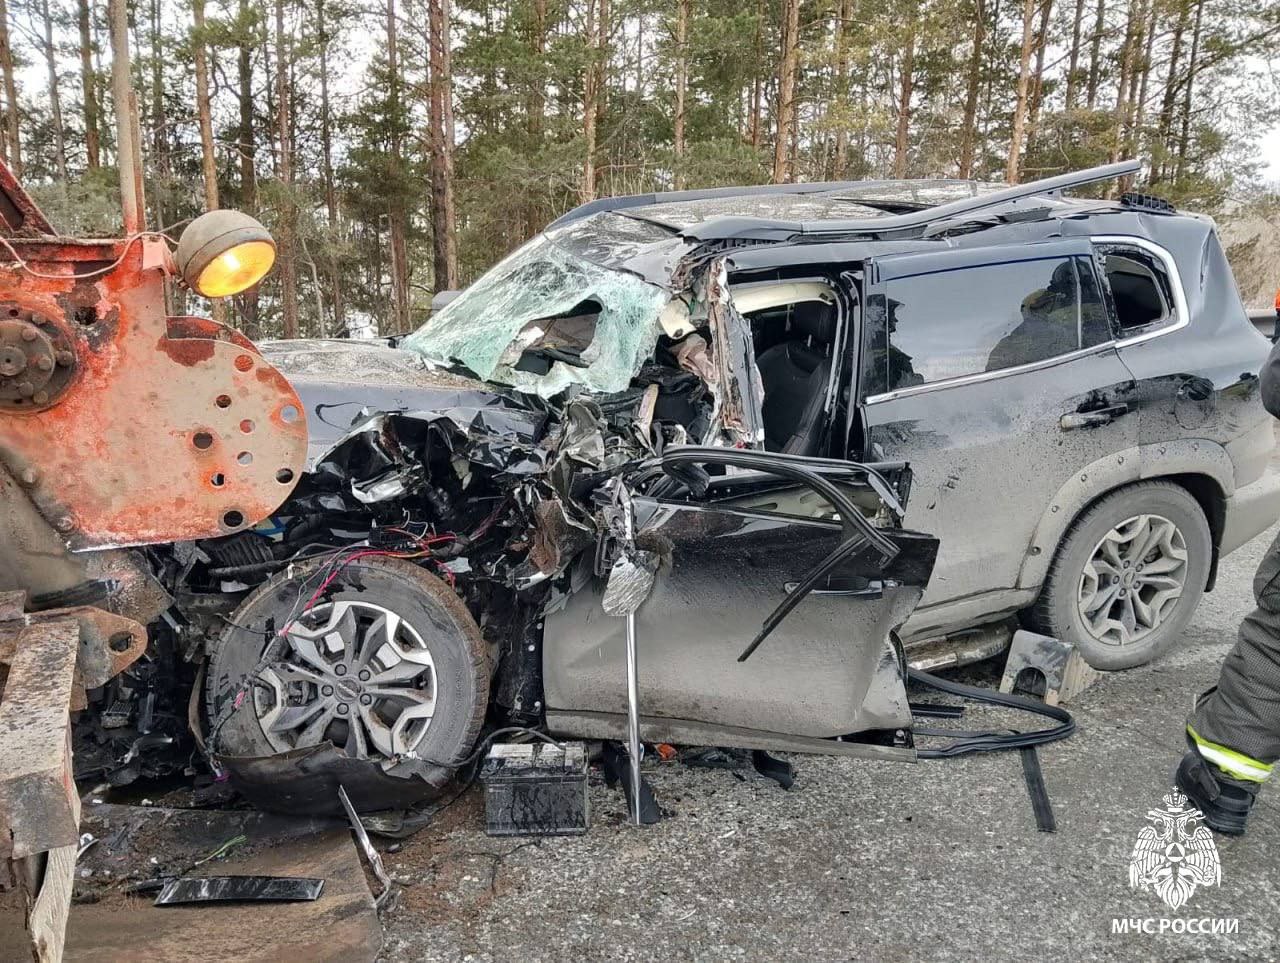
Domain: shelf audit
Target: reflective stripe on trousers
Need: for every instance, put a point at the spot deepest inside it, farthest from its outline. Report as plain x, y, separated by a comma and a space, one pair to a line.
1235, 764
1236, 725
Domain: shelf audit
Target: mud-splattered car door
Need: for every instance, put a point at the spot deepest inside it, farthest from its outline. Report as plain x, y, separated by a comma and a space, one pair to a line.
775, 593
993, 371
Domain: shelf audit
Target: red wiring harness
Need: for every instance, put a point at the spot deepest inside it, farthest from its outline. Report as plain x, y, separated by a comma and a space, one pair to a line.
424, 544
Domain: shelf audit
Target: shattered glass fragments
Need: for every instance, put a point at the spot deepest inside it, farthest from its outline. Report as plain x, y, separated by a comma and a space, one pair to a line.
542, 281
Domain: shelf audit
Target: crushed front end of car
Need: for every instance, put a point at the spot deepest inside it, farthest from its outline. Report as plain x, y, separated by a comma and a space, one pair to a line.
438, 571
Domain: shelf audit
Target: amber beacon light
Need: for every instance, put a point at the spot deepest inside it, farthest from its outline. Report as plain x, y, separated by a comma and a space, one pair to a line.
222, 253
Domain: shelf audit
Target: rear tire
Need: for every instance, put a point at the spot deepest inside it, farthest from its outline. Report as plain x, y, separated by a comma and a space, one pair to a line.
1120, 605
386, 640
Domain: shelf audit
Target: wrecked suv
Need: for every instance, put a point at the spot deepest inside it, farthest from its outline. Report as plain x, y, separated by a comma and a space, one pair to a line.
731, 414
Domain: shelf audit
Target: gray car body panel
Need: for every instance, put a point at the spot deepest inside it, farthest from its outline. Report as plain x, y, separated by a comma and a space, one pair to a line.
722, 569
1192, 394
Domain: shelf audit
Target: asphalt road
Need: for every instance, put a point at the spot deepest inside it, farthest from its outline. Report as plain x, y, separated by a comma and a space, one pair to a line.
868, 861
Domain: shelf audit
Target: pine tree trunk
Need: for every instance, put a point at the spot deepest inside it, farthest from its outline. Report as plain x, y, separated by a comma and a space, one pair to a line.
288, 216
1073, 59
1164, 128
89, 87
682, 81
603, 35
1037, 81
330, 190
843, 15
1184, 137
13, 119
208, 159
104, 122
757, 98
988, 87
246, 148
55, 100
906, 85
159, 125
1128, 58
532, 214
639, 52
1144, 80
968, 128
1020, 108
397, 227
443, 221
590, 90
786, 111
1095, 55
128, 151
537, 93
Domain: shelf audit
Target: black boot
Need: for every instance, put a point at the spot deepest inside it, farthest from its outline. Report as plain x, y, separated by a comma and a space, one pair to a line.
1225, 805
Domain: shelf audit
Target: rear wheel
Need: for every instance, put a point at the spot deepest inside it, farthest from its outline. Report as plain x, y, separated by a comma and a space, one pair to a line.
377, 688
1128, 575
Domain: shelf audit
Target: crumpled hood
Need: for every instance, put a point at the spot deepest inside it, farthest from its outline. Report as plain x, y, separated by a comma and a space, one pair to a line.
342, 381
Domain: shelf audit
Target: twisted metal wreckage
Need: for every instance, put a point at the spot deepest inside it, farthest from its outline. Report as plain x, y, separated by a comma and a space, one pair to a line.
347, 582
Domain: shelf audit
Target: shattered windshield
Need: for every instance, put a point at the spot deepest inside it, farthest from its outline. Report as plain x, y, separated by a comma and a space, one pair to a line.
556, 312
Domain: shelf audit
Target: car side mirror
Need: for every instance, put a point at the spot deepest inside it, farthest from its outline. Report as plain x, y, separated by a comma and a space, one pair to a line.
630, 581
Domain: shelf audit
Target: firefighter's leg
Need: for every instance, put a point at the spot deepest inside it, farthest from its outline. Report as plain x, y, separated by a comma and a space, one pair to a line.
1235, 728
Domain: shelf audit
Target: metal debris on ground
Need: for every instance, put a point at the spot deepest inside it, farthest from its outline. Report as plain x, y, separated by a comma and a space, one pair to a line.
1057, 664
240, 889
366, 847
143, 850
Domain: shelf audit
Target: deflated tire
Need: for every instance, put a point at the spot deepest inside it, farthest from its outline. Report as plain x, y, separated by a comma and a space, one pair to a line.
379, 686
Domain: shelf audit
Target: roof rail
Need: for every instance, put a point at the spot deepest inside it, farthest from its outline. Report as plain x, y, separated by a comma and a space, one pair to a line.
622, 202
722, 228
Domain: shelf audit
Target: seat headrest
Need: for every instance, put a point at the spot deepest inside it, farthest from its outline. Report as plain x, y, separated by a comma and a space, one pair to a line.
816, 320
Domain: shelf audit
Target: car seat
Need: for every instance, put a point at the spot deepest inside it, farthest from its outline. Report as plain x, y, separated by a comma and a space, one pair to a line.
794, 374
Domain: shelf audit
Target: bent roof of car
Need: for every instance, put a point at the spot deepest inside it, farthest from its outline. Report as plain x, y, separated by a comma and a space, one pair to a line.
778, 212
777, 199
861, 200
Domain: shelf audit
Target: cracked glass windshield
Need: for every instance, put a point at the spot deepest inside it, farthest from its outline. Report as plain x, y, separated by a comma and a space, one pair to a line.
556, 312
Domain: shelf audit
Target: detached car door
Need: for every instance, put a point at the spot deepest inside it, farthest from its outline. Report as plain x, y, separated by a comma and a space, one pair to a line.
994, 373
771, 610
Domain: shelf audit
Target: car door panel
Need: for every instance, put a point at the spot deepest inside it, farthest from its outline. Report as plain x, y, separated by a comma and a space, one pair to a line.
828, 668
988, 451
1196, 378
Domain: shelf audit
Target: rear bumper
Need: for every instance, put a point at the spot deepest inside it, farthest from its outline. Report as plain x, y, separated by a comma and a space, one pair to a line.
1251, 511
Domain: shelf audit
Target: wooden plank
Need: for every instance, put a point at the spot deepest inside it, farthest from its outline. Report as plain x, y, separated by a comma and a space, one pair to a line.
39, 806
47, 923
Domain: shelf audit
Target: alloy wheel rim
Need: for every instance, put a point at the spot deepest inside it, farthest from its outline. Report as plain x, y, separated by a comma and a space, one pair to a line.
353, 674
1133, 580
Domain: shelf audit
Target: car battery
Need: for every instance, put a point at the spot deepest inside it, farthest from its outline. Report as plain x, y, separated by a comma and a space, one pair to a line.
536, 789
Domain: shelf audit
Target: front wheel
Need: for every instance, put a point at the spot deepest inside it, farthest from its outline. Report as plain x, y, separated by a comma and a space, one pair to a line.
1128, 575
378, 687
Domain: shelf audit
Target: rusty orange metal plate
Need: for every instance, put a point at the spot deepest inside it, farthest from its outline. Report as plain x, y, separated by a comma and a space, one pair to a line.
169, 428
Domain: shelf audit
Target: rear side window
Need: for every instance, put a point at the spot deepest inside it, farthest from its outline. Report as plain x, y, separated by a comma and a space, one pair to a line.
1140, 288
929, 328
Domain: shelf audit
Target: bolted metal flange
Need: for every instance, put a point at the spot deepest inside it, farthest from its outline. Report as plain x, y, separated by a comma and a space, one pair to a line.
37, 361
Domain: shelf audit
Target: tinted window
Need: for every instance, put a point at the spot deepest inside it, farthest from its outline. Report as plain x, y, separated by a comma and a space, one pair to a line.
967, 321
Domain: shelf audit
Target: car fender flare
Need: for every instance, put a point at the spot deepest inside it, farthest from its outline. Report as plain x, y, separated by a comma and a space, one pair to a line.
1184, 456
